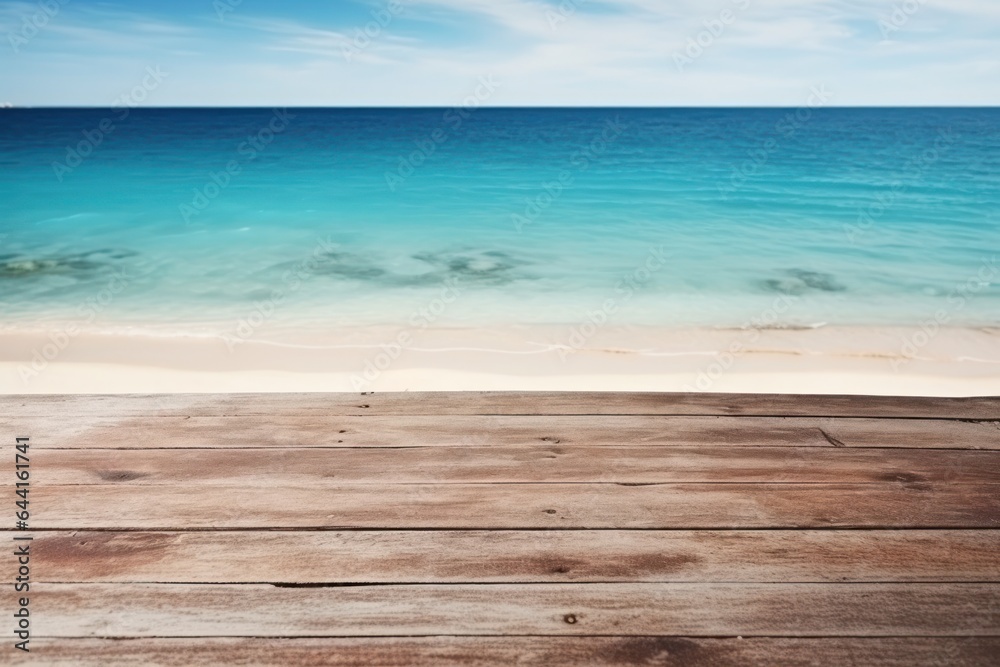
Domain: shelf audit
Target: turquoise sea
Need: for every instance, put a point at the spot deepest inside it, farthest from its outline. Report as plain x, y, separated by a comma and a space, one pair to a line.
188, 220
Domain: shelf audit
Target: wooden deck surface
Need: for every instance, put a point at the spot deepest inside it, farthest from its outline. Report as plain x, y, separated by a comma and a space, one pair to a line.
508, 529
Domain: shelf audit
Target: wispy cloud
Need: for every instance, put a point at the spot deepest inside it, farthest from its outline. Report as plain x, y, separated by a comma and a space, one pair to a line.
595, 52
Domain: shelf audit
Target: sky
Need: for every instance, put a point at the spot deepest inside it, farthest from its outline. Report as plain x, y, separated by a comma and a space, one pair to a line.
501, 52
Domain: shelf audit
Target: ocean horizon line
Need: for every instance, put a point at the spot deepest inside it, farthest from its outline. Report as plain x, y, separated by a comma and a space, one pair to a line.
505, 107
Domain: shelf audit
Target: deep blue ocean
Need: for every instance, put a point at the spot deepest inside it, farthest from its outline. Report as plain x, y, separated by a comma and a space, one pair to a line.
185, 220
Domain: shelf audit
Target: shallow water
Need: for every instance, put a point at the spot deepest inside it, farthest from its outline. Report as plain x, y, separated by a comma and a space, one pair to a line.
188, 220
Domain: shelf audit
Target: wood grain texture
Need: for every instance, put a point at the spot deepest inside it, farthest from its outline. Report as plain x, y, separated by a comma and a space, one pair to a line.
473, 431
274, 468
499, 403
511, 528
706, 610
902, 504
519, 556
525, 651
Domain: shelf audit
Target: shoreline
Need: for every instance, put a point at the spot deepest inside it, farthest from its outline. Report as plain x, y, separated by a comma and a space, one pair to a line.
873, 360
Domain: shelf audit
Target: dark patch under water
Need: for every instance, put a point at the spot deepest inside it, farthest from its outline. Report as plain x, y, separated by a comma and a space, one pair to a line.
78, 265
347, 265
800, 281
490, 268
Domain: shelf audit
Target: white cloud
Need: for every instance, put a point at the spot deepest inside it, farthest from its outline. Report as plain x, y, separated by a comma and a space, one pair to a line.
606, 52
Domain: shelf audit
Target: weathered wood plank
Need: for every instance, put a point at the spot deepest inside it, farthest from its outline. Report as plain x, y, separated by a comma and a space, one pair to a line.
278, 468
254, 610
511, 556
905, 504
362, 476
495, 403
320, 430
525, 651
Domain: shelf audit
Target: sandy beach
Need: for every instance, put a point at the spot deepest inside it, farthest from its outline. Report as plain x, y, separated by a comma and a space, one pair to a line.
826, 360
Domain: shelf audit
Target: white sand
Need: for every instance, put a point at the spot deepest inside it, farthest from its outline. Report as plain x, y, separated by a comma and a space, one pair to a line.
860, 360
